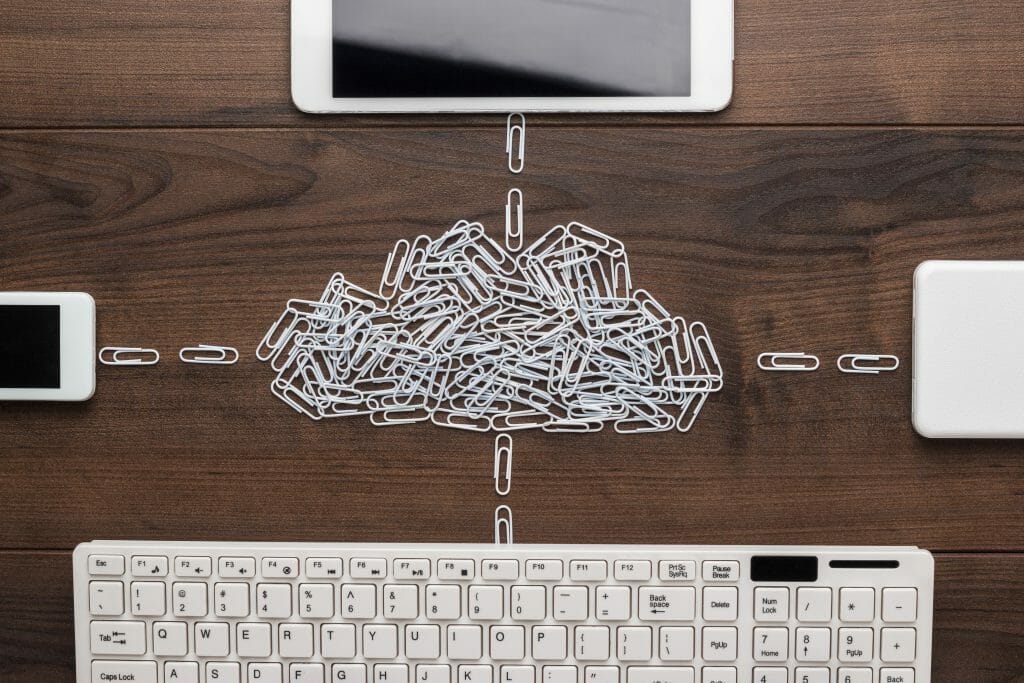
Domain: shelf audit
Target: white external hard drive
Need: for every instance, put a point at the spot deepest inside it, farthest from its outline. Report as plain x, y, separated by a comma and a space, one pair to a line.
969, 349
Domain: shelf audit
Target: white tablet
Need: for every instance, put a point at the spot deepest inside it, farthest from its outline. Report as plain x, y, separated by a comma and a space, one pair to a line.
47, 346
969, 349
511, 55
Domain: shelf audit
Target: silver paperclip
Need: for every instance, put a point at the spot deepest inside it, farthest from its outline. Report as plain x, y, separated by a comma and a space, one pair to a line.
515, 164
788, 362
503, 519
502, 448
206, 354
114, 355
514, 228
856, 364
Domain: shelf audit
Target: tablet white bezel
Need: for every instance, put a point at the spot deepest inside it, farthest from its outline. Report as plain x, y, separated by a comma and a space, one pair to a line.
710, 78
77, 345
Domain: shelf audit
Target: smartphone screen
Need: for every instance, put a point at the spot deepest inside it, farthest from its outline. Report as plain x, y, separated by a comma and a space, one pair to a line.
511, 48
30, 347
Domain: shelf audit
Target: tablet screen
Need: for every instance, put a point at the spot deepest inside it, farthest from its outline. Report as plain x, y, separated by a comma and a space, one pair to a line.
30, 347
511, 48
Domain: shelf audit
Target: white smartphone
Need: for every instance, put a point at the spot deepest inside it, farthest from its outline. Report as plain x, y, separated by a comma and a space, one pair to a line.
427, 56
47, 346
969, 349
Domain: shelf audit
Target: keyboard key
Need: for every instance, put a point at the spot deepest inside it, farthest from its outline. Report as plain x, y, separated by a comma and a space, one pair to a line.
569, 603
348, 673
588, 570
718, 674
324, 567
464, 642
223, 672
441, 673
211, 639
592, 643
391, 673
667, 603
544, 570
770, 675
857, 604
236, 567
719, 643
813, 644
528, 602
106, 598
148, 598
771, 604
677, 570
380, 641
456, 570
368, 568
263, 672
117, 638
721, 570
412, 569
597, 674
507, 642
559, 674
106, 565
720, 604
817, 674
358, 601
170, 639
814, 604
316, 600
231, 599
898, 644
338, 641
500, 570
549, 642
660, 674
855, 645
136, 672
887, 675
899, 604
633, 643
632, 570
189, 599
401, 601
181, 672
279, 567
676, 643
443, 602
253, 640
848, 675
193, 567
612, 603
149, 565
486, 603
422, 641
771, 644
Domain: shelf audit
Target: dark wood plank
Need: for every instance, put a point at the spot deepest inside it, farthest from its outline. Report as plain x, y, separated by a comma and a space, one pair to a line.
778, 239
978, 633
215, 62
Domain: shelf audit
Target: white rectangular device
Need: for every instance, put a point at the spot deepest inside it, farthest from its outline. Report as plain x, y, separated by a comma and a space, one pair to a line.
392, 56
47, 346
969, 349
167, 612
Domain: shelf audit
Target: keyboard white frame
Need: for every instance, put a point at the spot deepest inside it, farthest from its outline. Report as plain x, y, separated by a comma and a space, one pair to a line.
916, 569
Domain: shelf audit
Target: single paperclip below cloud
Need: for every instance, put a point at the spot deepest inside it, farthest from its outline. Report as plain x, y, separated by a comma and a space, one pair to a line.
469, 335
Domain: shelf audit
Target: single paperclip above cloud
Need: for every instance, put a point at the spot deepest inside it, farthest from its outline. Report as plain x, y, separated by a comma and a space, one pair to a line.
516, 152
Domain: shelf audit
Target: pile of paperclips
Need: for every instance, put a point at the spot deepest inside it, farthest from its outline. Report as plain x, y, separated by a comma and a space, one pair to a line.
470, 335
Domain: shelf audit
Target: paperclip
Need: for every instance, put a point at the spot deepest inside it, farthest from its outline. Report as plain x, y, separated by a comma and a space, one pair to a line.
854, 367
503, 519
149, 356
502, 448
514, 229
770, 362
219, 355
515, 164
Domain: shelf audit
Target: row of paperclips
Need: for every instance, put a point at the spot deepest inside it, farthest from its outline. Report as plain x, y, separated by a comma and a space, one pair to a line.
200, 354
850, 363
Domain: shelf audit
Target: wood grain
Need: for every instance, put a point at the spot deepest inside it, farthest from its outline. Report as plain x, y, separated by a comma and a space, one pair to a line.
777, 239
217, 62
978, 634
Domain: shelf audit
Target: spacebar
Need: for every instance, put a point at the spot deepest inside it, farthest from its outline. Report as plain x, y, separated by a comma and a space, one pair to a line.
110, 671
659, 674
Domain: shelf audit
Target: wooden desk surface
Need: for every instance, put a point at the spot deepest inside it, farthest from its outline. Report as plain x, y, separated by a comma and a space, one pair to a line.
149, 155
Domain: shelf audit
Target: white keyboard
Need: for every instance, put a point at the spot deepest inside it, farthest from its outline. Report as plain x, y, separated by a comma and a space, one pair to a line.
163, 612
